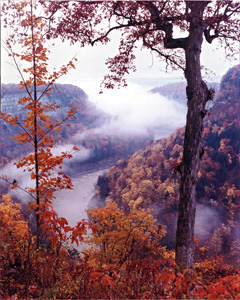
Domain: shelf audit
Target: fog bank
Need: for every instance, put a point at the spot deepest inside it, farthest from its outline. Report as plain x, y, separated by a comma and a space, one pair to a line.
136, 110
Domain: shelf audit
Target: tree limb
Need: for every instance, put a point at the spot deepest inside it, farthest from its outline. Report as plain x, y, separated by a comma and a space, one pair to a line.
17, 186
167, 57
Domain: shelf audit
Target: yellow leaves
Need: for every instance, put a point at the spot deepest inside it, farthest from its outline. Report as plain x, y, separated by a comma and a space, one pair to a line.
11, 220
119, 234
229, 159
138, 203
170, 189
146, 186
215, 128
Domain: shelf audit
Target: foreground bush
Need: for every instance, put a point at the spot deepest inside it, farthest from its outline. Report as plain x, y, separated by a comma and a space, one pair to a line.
145, 272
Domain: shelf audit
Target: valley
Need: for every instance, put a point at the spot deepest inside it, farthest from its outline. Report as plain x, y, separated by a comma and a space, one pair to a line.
119, 150
149, 171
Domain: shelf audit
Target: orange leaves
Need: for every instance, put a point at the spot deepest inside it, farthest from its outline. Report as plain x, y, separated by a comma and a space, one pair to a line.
61, 272
9, 119
62, 222
15, 185
71, 112
28, 31
24, 100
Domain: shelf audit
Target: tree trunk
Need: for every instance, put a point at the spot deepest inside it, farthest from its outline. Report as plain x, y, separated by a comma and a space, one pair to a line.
197, 94
35, 132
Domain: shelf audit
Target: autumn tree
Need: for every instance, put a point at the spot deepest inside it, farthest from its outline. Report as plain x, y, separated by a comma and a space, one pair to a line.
153, 25
14, 239
121, 238
26, 45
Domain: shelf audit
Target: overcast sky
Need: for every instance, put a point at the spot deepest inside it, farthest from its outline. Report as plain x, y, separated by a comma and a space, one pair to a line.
91, 62
131, 105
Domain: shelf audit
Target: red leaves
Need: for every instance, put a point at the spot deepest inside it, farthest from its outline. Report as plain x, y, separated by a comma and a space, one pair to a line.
177, 167
211, 94
107, 280
62, 222
167, 276
225, 288
68, 276
59, 230
189, 284
78, 231
104, 279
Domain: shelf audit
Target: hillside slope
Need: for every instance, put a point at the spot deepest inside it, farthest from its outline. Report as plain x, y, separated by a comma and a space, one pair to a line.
148, 179
177, 91
89, 130
66, 96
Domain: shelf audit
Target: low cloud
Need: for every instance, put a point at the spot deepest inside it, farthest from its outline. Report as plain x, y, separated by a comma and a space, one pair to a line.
133, 110
136, 110
23, 180
207, 219
23, 177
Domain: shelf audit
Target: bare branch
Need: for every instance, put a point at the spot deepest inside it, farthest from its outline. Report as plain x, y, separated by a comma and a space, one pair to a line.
167, 57
11, 182
20, 73
112, 29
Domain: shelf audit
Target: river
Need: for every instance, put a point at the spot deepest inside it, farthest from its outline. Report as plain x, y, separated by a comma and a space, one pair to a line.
72, 204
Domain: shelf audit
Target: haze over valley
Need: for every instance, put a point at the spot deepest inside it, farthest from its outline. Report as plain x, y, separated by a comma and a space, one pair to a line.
112, 126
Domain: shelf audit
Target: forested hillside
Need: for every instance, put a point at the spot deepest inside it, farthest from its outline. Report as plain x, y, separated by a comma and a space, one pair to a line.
88, 130
150, 178
49, 249
66, 96
177, 90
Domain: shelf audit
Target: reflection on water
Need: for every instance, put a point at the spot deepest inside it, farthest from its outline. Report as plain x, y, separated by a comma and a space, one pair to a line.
72, 204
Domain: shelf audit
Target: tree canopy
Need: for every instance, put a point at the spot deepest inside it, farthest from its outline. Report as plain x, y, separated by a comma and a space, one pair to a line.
160, 26
154, 25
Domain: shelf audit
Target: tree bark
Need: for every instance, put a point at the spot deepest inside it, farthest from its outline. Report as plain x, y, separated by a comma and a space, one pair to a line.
197, 94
